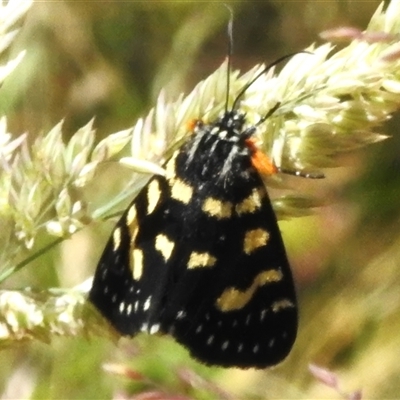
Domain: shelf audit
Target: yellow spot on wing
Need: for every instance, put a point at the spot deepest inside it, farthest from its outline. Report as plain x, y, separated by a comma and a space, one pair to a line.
164, 246
255, 239
116, 238
170, 167
131, 221
251, 203
131, 216
217, 208
197, 260
137, 263
235, 299
181, 191
153, 195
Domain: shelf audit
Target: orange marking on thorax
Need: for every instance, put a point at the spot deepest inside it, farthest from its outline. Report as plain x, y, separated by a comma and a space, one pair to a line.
261, 162
191, 124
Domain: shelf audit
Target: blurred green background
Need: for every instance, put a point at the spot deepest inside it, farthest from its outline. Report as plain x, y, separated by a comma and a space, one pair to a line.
110, 60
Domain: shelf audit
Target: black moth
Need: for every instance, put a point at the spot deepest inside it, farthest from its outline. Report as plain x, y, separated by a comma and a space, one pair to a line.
199, 255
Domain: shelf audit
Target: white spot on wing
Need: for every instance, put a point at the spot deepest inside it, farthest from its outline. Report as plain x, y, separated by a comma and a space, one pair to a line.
256, 348
154, 329
263, 314
271, 343
225, 345
121, 307
210, 339
144, 327
147, 303
199, 328
181, 314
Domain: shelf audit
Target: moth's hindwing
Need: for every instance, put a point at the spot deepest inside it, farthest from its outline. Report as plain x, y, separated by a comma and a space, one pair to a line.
199, 255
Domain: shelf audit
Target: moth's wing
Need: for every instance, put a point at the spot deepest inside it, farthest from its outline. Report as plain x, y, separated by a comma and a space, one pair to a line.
233, 302
204, 264
129, 281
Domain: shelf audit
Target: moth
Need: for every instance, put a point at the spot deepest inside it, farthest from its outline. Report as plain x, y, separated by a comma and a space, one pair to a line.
198, 254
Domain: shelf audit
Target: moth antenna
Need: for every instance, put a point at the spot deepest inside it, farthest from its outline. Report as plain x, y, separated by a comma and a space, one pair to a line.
266, 69
268, 114
230, 52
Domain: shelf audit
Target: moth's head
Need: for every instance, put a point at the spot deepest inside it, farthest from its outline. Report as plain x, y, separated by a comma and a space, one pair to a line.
230, 124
